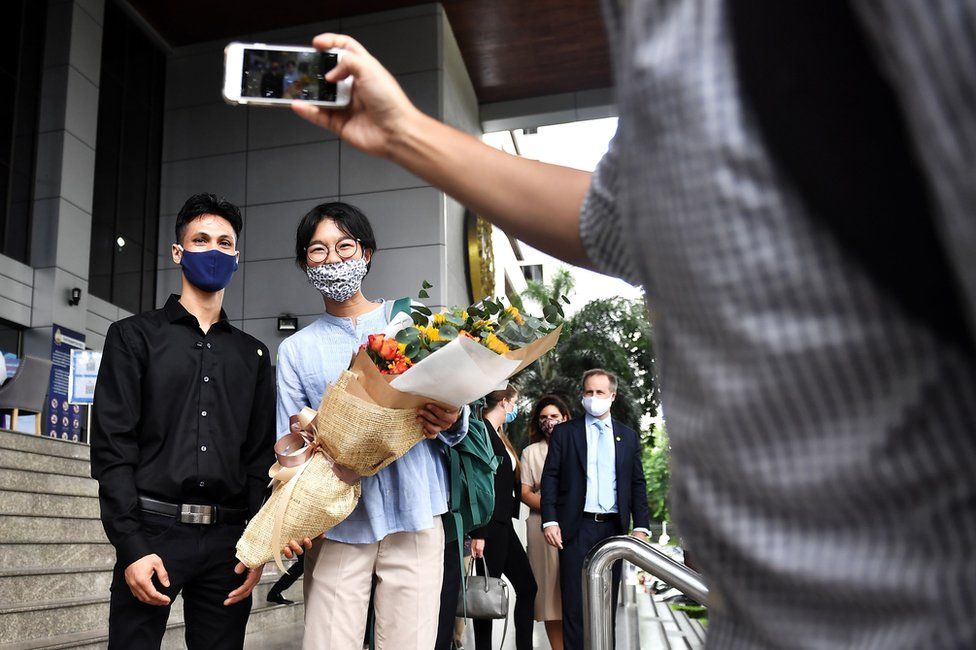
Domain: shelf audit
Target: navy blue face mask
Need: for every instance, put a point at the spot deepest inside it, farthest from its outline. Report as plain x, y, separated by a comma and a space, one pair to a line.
208, 271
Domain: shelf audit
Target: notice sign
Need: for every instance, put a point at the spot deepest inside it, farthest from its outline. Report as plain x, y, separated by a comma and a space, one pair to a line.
63, 419
82, 376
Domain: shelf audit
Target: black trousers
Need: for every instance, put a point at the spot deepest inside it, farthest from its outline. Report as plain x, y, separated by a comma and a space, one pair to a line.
505, 555
200, 562
290, 577
450, 588
571, 576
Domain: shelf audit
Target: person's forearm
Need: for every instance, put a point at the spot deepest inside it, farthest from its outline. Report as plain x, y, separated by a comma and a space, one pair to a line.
533, 201
531, 499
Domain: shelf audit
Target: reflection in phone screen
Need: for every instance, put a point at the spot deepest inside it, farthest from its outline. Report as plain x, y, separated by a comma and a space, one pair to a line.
281, 74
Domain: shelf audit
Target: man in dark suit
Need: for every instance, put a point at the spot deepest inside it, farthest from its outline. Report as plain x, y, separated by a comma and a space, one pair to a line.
592, 486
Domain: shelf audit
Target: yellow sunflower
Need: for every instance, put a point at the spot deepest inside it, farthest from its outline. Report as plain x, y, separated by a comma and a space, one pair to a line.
439, 319
431, 332
513, 311
496, 345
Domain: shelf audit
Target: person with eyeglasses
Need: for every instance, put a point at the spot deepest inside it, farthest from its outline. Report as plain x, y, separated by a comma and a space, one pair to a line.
394, 538
549, 411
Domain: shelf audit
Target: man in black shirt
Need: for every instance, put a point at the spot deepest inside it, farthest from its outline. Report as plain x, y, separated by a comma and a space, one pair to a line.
183, 435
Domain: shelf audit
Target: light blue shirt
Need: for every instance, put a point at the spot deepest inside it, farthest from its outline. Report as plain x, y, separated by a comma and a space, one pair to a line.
592, 502
408, 494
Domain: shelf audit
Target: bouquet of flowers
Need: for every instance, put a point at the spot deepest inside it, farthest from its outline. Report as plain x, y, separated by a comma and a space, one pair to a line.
367, 418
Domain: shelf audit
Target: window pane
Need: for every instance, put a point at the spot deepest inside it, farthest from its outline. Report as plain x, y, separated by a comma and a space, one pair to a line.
127, 165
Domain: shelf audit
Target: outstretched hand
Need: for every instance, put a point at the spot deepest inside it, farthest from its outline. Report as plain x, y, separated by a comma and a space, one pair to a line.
378, 108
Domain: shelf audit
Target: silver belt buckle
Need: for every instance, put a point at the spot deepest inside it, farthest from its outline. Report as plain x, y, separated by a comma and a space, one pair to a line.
194, 514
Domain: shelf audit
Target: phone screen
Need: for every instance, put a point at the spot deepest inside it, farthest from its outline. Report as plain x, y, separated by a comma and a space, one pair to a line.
286, 74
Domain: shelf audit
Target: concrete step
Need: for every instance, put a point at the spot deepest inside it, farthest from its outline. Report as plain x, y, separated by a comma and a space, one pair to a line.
264, 618
36, 585
47, 505
40, 462
20, 480
21, 529
31, 625
57, 554
43, 445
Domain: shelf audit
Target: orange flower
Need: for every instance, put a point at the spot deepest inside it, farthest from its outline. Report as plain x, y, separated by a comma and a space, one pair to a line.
389, 349
400, 365
376, 342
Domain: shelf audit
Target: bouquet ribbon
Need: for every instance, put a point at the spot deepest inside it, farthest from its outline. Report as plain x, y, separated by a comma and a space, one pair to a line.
293, 452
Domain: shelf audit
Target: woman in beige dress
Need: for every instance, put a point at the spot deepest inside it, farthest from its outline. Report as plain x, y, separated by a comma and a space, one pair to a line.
549, 411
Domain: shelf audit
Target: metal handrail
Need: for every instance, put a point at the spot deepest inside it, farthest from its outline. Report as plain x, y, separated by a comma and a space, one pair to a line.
598, 585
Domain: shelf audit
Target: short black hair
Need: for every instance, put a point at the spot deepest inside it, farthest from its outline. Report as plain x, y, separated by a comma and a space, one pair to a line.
205, 203
348, 218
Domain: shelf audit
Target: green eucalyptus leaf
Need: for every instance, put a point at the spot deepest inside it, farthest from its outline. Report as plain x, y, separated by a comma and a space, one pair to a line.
423, 294
423, 309
448, 332
408, 335
426, 285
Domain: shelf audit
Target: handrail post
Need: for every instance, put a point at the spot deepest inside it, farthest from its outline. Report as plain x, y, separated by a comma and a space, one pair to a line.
597, 583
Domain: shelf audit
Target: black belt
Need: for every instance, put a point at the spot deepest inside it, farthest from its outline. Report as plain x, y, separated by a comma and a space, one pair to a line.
192, 513
602, 516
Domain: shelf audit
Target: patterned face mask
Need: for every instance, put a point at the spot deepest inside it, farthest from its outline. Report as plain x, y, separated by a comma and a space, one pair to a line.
339, 281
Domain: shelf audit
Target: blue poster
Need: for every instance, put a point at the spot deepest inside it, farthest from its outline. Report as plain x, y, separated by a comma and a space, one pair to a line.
84, 372
63, 419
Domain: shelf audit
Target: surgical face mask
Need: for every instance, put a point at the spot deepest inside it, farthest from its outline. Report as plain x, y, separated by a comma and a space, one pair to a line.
597, 406
339, 281
511, 415
208, 271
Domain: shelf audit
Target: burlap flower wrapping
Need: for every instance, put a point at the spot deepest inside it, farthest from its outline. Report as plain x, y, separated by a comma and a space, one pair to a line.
318, 502
350, 428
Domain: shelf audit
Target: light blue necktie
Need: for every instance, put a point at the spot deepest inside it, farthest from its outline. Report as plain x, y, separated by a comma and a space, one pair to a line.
604, 467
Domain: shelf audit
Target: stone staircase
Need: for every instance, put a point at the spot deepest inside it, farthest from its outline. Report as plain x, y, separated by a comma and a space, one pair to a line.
56, 564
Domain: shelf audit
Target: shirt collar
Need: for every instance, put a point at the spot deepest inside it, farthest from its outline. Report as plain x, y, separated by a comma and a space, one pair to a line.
176, 312
590, 421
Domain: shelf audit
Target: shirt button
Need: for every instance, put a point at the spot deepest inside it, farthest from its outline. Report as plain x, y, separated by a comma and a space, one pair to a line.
203, 447
203, 413
203, 484
206, 379
199, 344
209, 346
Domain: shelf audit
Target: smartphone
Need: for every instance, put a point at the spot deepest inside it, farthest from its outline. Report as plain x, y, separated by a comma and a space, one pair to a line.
256, 73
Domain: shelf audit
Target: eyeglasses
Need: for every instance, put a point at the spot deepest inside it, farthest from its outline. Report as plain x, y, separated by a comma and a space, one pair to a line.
345, 248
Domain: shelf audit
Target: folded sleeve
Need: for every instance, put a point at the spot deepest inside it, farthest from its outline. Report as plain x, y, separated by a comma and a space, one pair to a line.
291, 395
602, 230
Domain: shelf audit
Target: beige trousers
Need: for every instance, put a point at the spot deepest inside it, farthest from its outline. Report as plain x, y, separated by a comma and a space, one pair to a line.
408, 567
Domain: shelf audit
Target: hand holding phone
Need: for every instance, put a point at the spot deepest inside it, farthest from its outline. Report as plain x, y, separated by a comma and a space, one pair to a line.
256, 73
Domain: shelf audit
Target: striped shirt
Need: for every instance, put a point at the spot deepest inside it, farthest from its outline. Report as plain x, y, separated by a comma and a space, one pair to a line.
823, 443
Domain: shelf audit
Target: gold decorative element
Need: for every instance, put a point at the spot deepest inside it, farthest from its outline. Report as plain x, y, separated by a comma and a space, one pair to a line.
481, 257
